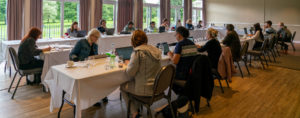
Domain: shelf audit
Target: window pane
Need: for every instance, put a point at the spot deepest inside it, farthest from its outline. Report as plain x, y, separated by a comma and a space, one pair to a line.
146, 17
152, 1
197, 3
3, 24
51, 19
176, 14
155, 16
176, 3
70, 14
108, 15
197, 15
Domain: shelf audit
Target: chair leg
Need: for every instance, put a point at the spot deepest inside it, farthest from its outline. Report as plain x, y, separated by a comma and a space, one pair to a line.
250, 60
169, 100
227, 83
12, 97
12, 82
273, 54
5, 66
265, 59
277, 52
9, 71
207, 101
149, 111
221, 85
247, 67
62, 104
293, 46
121, 96
240, 69
261, 61
128, 108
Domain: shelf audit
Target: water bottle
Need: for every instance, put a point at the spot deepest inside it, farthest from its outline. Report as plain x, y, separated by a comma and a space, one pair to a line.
112, 49
161, 47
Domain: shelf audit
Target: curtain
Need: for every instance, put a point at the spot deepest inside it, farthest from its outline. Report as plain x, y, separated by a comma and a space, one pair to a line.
138, 14
84, 15
98, 12
125, 13
204, 12
15, 19
187, 10
165, 10
36, 13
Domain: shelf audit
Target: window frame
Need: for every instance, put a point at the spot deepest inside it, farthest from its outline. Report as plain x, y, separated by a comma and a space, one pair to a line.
177, 12
115, 4
149, 9
199, 13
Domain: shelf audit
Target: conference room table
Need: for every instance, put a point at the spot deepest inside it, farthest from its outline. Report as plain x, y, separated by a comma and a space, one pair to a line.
85, 85
40, 42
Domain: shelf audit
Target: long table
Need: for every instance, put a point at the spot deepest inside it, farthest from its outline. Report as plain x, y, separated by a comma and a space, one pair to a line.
85, 86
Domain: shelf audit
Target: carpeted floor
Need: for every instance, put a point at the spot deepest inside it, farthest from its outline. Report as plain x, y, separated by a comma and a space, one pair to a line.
288, 61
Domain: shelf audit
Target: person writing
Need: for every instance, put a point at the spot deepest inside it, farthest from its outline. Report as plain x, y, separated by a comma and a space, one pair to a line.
164, 26
143, 66
73, 31
28, 50
86, 47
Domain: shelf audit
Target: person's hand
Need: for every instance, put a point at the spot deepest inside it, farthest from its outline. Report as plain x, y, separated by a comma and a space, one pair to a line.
170, 54
198, 46
47, 49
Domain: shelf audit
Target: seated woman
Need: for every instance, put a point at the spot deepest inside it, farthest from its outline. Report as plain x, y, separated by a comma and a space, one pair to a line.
102, 27
232, 40
212, 47
258, 37
199, 25
178, 24
129, 27
28, 49
164, 26
73, 31
189, 24
86, 47
143, 67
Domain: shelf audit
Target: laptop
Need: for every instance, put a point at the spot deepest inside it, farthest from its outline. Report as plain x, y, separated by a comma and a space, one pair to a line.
81, 33
246, 31
124, 52
162, 29
110, 31
166, 47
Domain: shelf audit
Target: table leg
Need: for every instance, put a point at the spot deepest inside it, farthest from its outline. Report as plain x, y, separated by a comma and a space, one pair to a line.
78, 107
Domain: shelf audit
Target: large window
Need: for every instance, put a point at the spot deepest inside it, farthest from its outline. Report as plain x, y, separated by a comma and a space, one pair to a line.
176, 11
109, 13
58, 17
197, 10
151, 12
3, 24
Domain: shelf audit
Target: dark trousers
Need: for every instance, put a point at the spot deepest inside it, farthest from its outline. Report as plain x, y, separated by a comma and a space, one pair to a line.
32, 65
257, 45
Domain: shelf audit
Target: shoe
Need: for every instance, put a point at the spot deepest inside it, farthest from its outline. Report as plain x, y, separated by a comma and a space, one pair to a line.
105, 100
98, 104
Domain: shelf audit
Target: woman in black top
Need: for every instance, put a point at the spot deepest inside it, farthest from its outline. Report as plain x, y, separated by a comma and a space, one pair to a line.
28, 50
232, 40
102, 27
212, 47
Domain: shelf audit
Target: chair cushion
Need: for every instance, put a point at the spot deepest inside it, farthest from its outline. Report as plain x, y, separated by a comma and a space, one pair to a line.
253, 52
31, 71
180, 83
147, 99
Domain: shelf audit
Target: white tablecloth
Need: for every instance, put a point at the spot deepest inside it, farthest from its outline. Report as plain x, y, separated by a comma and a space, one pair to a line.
41, 42
84, 86
54, 58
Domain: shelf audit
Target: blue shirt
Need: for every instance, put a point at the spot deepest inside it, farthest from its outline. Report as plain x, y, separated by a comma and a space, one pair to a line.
186, 58
83, 50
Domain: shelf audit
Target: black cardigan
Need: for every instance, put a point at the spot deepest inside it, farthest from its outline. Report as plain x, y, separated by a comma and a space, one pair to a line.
214, 51
27, 51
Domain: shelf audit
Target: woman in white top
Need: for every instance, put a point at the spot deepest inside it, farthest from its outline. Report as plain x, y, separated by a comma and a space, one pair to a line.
258, 36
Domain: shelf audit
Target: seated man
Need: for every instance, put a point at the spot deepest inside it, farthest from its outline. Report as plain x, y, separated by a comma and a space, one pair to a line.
268, 28
129, 27
183, 56
152, 27
102, 27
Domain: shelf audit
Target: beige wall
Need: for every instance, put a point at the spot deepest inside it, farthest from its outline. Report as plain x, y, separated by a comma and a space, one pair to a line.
246, 12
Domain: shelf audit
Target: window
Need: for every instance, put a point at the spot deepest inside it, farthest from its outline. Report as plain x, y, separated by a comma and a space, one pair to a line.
176, 11
151, 12
58, 17
109, 13
3, 24
197, 11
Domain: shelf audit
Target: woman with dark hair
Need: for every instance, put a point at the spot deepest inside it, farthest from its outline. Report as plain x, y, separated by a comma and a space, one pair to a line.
143, 66
258, 36
232, 40
28, 50
102, 27
164, 25
73, 31
199, 25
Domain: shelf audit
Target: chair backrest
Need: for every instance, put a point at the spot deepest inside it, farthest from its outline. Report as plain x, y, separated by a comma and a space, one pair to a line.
244, 49
14, 58
164, 79
264, 45
293, 37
